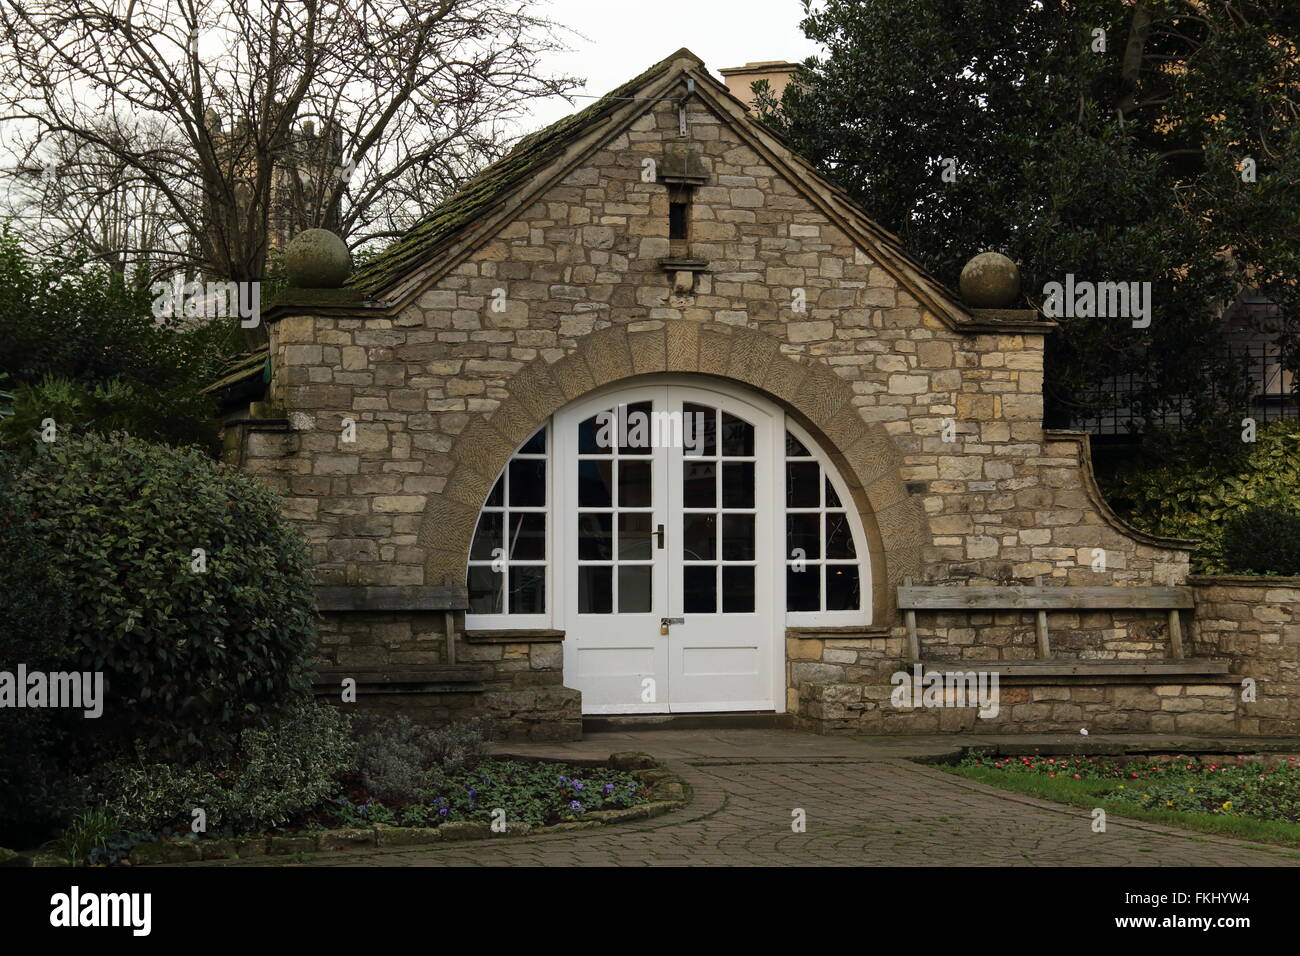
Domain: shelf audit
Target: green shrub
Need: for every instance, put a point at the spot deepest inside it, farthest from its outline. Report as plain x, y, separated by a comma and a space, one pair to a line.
77, 320
1262, 541
1196, 502
67, 321
178, 416
396, 758
37, 746
189, 658
275, 772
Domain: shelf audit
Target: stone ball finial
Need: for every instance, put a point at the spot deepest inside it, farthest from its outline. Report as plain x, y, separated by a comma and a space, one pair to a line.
990, 281
317, 259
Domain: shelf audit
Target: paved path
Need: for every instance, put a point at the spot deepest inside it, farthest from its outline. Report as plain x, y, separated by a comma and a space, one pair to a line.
865, 804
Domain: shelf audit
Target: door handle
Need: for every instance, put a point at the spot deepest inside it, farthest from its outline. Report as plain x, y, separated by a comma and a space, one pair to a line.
659, 534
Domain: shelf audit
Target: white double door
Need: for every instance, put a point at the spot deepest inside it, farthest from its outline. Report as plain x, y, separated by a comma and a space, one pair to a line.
667, 550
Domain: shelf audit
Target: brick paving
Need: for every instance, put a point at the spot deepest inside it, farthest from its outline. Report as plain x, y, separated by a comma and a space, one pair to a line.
865, 804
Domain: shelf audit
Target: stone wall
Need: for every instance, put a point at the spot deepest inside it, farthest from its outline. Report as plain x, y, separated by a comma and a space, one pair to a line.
1254, 623
443, 388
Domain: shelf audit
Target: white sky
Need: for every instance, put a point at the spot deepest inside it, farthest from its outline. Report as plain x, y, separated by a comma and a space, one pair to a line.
624, 37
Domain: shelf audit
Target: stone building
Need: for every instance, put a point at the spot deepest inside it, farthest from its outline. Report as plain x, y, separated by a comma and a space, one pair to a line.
828, 424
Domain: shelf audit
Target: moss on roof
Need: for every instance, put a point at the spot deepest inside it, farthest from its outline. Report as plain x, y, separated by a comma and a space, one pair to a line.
491, 186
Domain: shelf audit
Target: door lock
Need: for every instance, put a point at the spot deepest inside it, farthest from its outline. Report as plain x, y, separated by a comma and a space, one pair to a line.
664, 622
659, 533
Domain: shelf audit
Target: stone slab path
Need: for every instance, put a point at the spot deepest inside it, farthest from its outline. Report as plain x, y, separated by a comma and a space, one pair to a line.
866, 804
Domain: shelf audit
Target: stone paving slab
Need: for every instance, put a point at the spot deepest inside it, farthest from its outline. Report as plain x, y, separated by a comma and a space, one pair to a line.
865, 803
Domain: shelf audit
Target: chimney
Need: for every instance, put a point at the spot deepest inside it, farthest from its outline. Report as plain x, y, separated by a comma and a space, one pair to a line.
740, 78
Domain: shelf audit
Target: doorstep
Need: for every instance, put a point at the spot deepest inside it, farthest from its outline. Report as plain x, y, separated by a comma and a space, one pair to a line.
731, 720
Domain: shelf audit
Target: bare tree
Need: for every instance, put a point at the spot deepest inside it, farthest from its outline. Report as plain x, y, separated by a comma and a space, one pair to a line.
75, 196
270, 114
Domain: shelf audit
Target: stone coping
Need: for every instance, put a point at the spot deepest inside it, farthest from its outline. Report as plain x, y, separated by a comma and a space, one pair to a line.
1244, 580
513, 636
840, 632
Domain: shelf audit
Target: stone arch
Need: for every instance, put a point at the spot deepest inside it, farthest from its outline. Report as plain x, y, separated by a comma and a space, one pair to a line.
865, 452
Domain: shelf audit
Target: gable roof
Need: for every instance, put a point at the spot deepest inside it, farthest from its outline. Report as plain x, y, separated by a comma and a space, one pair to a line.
484, 204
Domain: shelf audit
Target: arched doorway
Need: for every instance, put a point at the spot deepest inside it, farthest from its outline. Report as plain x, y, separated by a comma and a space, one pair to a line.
673, 527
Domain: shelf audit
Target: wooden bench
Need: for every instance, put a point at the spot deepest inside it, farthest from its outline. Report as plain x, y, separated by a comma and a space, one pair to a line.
1041, 600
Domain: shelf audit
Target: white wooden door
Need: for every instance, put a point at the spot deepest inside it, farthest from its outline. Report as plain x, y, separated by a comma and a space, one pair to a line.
667, 555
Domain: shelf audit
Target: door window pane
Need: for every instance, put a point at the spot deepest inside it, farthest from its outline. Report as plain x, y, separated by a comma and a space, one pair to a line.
595, 590
839, 536
699, 430
803, 484
803, 588
699, 484
595, 536
699, 537
528, 482
592, 433
485, 590
637, 428
700, 584
527, 589
634, 588
527, 536
737, 437
803, 537
487, 537
738, 589
832, 499
634, 539
535, 445
595, 484
794, 447
634, 484
738, 537
738, 484
842, 589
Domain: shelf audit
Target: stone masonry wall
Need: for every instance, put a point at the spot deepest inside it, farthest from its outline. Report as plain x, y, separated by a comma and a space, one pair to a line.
1254, 623
1001, 503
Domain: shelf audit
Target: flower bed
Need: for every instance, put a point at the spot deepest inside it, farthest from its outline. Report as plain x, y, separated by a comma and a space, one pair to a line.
499, 797
1251, 797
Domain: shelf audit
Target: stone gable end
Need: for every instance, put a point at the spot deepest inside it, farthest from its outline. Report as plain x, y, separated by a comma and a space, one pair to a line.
938, 432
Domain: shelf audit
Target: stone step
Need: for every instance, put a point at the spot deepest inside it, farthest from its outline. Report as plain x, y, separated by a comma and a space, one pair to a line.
746, 720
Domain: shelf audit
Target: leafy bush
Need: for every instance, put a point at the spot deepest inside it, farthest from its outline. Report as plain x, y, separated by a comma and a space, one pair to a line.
274, 773
67, 320
1185, 501
396, 758
37, 786
177, 416
1263, 541
190, 658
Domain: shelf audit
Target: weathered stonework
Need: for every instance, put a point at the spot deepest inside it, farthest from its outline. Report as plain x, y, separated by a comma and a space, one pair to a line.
443, 387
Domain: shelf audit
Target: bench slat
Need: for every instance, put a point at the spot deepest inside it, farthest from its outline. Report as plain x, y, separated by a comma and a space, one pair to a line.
1043, 598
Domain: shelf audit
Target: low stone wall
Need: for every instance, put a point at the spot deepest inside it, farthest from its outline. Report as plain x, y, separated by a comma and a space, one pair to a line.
1117, 705
840, 682
1254, 624
513, 678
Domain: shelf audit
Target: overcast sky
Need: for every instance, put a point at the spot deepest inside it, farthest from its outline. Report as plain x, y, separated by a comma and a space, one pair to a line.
626, 36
